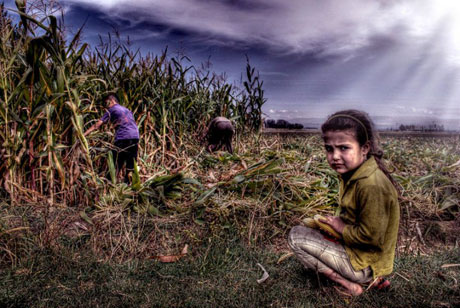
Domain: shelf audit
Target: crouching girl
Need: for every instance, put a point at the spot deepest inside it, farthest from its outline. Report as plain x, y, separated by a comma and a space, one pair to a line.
369, 210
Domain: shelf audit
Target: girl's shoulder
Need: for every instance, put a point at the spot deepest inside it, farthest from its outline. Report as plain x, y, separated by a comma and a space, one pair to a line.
375, 182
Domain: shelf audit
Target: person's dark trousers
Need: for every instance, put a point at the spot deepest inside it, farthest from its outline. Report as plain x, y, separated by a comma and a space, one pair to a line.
125, 152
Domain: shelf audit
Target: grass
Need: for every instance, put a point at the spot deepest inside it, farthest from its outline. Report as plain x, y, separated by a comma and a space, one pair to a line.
222, 272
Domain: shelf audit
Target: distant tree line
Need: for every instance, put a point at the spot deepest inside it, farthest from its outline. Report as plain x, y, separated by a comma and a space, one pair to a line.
270, 123
422, 128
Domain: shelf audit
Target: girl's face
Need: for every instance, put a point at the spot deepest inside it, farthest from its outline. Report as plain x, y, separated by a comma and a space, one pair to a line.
344, 154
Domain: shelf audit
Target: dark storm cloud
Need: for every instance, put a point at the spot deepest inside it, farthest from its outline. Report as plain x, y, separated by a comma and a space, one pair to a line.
322, 28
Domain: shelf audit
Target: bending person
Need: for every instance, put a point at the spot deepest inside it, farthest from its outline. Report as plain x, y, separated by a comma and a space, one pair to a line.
126, 135
219, 134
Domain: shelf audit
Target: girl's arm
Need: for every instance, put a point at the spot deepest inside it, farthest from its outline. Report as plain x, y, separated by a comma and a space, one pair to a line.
371, 223
372, 218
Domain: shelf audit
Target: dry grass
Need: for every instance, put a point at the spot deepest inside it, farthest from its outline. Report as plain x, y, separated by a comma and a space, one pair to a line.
259, 193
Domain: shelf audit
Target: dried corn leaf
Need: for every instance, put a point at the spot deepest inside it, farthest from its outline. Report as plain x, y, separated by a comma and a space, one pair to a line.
455, 164
13, 230
171, 258
449, 265
284, 257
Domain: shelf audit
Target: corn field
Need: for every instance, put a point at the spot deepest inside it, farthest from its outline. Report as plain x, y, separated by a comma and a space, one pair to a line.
51, 89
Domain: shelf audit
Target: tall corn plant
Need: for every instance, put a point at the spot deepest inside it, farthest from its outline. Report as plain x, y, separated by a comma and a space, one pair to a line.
39, 91
250, 106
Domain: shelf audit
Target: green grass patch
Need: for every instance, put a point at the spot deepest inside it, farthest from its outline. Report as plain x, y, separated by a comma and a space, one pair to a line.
222, 272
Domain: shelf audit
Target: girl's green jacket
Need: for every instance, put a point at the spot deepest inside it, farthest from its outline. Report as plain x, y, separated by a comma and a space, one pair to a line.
369, 207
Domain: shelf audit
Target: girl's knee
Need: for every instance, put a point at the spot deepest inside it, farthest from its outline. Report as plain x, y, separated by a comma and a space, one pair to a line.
295, 234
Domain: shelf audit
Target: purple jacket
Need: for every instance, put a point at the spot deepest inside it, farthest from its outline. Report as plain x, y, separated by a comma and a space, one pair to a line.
123, 119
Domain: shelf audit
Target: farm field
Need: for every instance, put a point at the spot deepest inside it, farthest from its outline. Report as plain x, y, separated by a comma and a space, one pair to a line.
191, 227
233, 211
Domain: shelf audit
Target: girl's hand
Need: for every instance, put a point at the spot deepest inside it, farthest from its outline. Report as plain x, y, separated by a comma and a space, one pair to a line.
335, 222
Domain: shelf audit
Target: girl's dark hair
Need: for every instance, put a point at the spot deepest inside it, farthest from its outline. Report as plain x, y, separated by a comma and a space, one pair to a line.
362, 126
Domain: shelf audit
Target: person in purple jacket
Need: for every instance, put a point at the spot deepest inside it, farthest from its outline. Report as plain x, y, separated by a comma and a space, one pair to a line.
126, 135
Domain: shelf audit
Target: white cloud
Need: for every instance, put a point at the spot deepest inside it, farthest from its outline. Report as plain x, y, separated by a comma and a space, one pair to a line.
422, 110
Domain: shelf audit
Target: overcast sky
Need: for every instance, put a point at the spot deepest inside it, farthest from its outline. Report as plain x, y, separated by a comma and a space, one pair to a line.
390, 57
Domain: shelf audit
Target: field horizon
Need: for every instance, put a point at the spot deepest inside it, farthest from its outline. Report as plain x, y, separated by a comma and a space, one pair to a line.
384, 123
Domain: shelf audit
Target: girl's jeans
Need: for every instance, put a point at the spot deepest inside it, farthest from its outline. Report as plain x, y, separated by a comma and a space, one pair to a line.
320, 254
